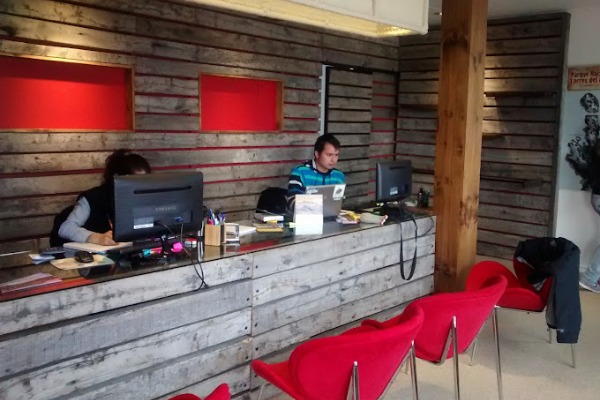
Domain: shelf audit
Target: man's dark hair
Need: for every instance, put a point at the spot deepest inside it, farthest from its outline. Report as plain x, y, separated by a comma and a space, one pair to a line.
327, 138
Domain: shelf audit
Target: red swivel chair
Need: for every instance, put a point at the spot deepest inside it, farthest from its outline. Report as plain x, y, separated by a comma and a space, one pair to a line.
520, 295
452, 321
220, 393
328, 368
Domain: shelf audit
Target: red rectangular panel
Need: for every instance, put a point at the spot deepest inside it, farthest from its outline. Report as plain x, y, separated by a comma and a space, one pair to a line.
239, 104
42, 94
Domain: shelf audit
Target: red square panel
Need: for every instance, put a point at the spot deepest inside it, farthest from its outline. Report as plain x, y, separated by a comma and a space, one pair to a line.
43, 94
239, 104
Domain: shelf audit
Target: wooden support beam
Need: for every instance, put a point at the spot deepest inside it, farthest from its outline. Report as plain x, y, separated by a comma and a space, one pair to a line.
458, 142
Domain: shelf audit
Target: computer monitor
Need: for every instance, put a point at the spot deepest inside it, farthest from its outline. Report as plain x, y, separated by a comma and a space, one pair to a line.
393, 181
151, 205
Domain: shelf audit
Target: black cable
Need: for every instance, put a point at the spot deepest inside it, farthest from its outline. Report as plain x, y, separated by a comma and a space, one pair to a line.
193, 260
430, 226
413, 266
398, 215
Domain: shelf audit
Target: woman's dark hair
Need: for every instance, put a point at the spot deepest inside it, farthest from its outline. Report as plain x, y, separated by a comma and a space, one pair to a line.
124, 162
327, 138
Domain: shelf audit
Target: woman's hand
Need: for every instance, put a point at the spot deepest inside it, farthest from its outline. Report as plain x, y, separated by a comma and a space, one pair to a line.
103, 239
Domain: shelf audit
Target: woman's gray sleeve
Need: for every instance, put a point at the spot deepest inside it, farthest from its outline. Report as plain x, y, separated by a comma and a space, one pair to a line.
72, 229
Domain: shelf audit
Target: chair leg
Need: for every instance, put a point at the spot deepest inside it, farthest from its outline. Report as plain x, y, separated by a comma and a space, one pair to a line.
413, 371
353, 392
498, 363
455, 357
405, 363
473, 349
406, 367
260, 392
573, 355
474, 345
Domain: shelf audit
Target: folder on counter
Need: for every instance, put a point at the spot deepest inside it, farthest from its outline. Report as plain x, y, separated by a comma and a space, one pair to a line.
95, 248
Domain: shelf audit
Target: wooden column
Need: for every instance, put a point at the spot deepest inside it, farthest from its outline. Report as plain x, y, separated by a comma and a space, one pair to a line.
458, 143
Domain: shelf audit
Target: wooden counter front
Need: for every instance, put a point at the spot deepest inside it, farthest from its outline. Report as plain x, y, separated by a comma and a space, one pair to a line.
151, 335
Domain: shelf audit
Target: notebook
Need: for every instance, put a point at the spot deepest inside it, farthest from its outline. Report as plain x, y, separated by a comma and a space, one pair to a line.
333, 195
95, 248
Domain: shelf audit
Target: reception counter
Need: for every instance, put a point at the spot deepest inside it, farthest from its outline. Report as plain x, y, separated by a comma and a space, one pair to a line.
147, 333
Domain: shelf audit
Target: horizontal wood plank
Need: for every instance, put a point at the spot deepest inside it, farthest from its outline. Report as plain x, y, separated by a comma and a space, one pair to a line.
85, 300
149, 352
303, 329
31, 351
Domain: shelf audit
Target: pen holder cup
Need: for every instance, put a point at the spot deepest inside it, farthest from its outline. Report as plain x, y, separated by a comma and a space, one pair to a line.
214, 235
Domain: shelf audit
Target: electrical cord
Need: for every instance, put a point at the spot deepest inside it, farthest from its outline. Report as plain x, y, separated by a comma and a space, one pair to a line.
398, 215
194, 260
413, 265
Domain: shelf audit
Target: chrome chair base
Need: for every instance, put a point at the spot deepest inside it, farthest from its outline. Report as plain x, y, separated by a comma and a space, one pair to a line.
353, 388
452, 340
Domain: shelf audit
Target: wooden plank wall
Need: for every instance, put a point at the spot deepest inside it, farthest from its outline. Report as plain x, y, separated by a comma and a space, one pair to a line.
383, 124
349, 119
168, 45
521, 118
362, 114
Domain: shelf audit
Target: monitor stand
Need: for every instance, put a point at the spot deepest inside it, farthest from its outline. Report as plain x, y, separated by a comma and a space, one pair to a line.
396, 211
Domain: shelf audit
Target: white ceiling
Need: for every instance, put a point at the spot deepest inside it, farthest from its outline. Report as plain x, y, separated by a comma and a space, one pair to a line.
511, 8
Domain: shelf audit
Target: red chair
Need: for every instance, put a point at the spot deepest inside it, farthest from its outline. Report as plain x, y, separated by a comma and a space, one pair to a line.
328, 368
220, 393
520, 295
452, 321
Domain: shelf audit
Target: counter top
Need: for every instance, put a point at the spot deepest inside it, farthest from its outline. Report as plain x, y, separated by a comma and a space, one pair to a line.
248, 243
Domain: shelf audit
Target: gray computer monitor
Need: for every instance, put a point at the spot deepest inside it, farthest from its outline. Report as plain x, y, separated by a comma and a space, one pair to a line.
151, 205
393, 181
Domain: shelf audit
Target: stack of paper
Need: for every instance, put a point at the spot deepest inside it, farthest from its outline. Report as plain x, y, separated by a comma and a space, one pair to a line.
39, 258
268, 227
28, 282
267, 217
348, 217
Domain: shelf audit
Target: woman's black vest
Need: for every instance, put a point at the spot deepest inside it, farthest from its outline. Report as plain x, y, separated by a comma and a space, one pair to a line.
101, 214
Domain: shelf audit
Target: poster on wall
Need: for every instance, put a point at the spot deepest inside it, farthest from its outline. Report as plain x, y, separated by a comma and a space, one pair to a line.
582, 106
584, 78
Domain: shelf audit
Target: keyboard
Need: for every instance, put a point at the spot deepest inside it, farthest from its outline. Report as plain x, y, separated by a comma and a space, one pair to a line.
135, 248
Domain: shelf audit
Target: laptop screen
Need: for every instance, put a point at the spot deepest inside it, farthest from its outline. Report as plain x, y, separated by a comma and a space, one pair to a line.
333, 195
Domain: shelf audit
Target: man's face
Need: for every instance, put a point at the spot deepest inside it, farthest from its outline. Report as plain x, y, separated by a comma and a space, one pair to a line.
327, 159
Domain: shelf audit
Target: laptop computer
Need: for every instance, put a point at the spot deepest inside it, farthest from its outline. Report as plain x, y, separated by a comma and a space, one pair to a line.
333, 195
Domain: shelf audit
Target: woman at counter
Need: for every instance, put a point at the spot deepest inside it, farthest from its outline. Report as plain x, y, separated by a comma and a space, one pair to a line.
91, 217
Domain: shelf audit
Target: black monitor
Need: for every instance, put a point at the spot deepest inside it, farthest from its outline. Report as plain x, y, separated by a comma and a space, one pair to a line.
146, 205
393, 181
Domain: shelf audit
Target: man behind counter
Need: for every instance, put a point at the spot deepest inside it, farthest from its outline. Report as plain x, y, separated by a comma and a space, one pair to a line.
318, 171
